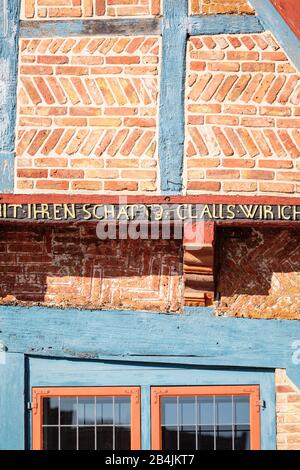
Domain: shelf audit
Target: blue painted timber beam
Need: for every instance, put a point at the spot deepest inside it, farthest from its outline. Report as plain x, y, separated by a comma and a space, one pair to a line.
224, 24
12, 400
9, 31
273, 21
195, 338
173, 75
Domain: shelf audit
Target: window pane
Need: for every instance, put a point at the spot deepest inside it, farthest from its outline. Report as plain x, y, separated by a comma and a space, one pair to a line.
169, 438
68, 413
122, 410
86, 438
68, 438
206, 438
187, 410
224, 438
187, 438
122, 438
50, 438
169, 411
105, 438
87, 423
224, 410
242, 438
206, 410
242, 410
86, 411
104, 410
50, 411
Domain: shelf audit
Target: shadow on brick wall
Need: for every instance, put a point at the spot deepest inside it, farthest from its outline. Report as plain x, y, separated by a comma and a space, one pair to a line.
259, 272
68, 266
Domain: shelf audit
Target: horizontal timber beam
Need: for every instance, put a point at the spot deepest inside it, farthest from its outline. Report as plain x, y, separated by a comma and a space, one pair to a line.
224, 24
196, 338
111, 27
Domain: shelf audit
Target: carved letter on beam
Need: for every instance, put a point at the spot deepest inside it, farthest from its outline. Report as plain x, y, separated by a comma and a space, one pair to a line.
198, 265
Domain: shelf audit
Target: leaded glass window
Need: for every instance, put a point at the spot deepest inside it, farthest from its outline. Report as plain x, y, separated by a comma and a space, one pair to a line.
206, 417
86, 423
99, 418
206, 423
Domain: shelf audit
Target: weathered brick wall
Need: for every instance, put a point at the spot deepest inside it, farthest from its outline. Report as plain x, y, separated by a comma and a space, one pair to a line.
87, 114
70, 267
288, 412
243, 121
211, 7
259, 273
55, 9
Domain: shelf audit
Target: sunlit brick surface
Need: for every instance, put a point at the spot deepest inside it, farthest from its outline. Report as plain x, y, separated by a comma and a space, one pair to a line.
211, 7
70, 267
243, 97
87, 114
288, 412
61, 9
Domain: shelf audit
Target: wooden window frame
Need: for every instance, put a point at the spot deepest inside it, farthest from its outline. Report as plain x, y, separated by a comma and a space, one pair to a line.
38, 394
252, 391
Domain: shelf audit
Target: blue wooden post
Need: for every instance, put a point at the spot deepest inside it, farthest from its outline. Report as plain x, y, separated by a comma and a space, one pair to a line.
12, 388
173, 68
146, 417
9, 32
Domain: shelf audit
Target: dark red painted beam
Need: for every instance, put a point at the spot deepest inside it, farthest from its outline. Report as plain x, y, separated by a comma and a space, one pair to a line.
290, 11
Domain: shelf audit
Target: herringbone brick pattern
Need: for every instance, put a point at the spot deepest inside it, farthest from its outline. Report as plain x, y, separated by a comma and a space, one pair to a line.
87, 114
288, 412
211, 7
55, 9
243, 116
259, 273
70, 267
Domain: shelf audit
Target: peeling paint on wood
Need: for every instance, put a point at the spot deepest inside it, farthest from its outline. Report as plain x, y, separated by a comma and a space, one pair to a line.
12, 389
8, 85
171, 143
224, 24
197, 337
69, 28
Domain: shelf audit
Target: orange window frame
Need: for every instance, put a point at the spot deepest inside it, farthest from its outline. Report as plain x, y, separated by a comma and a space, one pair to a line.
252, 391
38, 394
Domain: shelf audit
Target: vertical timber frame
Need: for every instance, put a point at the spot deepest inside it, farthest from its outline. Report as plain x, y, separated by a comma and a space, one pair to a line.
173, 74
175, 26
9, 36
